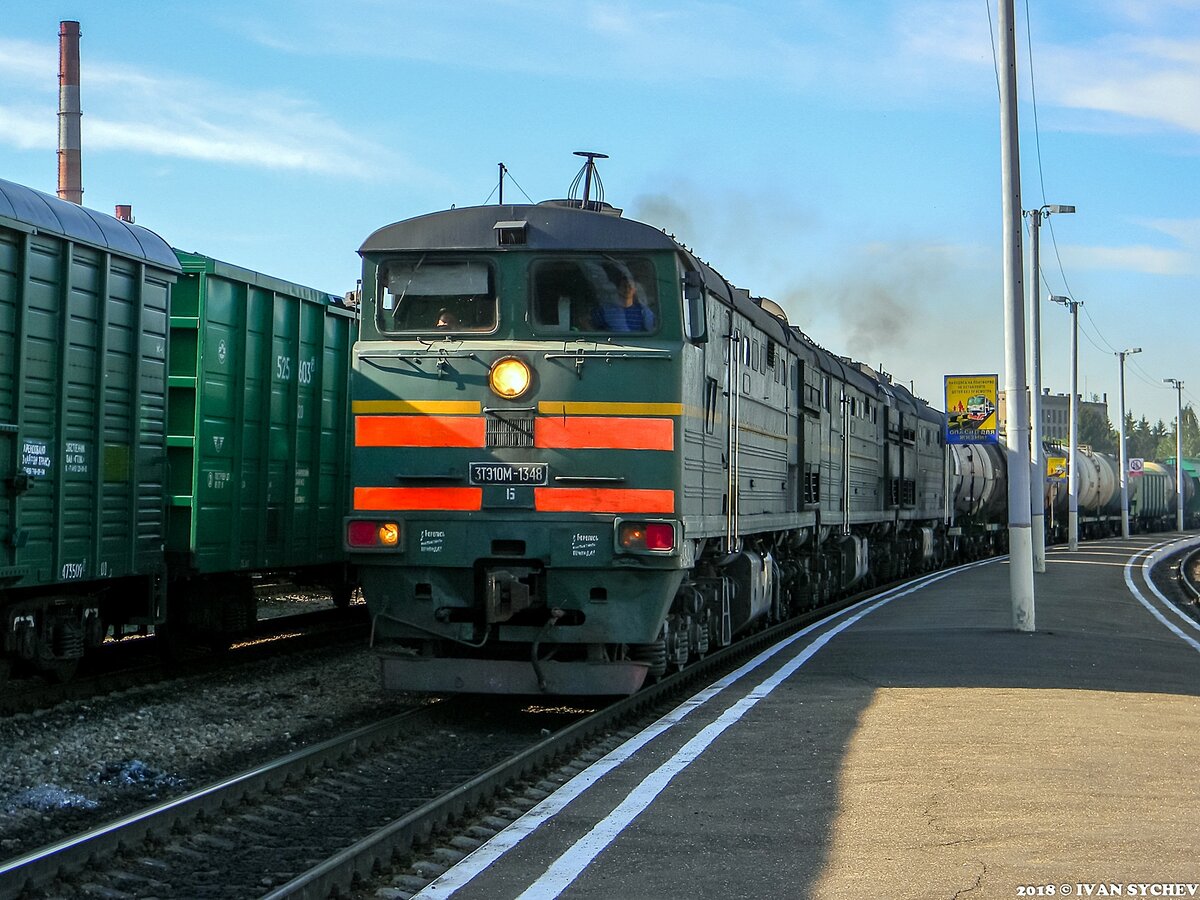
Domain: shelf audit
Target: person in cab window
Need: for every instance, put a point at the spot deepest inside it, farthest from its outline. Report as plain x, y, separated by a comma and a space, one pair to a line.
629, 314
447, 319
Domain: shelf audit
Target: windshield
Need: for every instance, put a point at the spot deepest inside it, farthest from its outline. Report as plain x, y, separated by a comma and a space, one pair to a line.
435, 296
600, 294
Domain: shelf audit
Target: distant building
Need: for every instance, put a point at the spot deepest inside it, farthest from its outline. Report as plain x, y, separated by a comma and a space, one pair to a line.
1056, 414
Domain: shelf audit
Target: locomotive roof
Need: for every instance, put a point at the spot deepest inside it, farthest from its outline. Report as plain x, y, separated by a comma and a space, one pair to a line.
548, 226
563, 225
40, 212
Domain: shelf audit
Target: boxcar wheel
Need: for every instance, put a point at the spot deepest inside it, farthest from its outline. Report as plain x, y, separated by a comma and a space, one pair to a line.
58, 671
169, 642
343, 594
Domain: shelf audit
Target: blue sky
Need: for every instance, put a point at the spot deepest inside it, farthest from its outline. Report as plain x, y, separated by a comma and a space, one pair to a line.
840, 158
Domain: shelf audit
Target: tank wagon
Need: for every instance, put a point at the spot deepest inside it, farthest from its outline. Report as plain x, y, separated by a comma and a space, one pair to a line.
979, 492
580, 456
170, 426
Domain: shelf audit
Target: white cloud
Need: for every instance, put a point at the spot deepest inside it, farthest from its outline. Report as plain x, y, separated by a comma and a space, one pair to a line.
129, 109
1170, 96
1144, 259
1186, 231
27, 128
29, 62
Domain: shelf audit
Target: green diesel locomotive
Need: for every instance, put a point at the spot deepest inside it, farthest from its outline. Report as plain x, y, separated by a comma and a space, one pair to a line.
580, 456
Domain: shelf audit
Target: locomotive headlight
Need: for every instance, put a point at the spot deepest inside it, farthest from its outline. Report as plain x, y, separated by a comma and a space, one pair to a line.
389, 534
510, 377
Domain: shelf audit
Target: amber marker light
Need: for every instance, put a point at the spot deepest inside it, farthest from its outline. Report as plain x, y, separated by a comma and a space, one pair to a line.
510, 377
367, 534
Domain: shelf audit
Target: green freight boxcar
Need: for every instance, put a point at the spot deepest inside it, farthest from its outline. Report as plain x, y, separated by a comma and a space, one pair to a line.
83, 356
256, 437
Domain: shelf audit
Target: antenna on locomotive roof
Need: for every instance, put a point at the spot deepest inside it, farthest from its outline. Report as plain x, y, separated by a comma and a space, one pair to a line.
503, 169
588, 173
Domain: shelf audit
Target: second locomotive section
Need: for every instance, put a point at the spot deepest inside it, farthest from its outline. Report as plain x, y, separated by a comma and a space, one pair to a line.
581, 457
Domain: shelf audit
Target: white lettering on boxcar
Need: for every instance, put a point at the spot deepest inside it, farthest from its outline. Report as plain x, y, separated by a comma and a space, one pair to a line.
308, 368
35, 458
75, 457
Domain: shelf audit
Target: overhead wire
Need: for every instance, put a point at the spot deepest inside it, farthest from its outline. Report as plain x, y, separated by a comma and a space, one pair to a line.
995, 53
1137, 369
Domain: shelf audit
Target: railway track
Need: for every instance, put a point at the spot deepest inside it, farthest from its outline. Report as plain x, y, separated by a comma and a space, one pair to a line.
435, 781
323, 818
134, 662
1189, 578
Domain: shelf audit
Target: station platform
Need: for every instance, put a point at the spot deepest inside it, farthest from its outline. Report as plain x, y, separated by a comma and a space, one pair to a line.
916, 746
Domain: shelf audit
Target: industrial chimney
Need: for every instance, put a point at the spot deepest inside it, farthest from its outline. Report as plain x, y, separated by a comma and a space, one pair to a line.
70, 167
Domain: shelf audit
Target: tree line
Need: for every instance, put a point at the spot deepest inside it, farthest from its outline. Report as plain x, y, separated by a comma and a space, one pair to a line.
1144, 440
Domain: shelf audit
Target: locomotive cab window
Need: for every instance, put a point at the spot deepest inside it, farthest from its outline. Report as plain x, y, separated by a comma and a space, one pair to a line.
606, 295
432, 297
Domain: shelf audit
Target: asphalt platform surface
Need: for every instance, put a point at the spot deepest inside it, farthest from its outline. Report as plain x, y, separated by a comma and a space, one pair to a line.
915, 747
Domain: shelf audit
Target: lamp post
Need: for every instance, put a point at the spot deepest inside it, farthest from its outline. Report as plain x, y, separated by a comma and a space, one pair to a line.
1073, 444
1178, 385
1020, 544
1124, 453
1037, 481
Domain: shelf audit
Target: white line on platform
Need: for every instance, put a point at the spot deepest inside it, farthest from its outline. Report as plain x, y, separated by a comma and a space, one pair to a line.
1152, 556
571, 864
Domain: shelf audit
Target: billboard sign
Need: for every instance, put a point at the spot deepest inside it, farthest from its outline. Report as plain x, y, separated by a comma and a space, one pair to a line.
971, 416
1056, 468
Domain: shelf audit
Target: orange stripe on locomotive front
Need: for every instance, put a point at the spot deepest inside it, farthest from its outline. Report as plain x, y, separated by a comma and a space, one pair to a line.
389, 499
604, 432
419, 431
603, 500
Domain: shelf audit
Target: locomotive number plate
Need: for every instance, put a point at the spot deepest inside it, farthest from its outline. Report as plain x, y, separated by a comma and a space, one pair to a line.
508, 473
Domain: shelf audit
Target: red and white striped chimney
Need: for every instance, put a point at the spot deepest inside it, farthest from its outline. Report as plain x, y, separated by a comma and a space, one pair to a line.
70, 166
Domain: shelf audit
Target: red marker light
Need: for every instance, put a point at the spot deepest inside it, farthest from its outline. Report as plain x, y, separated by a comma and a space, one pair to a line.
361, 534
660, 537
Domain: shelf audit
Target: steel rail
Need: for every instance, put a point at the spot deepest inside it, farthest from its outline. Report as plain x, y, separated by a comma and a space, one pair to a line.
39, 867
339, 871
1186, 566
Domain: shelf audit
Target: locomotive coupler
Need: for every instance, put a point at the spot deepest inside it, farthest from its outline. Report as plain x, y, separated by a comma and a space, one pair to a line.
507, 593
